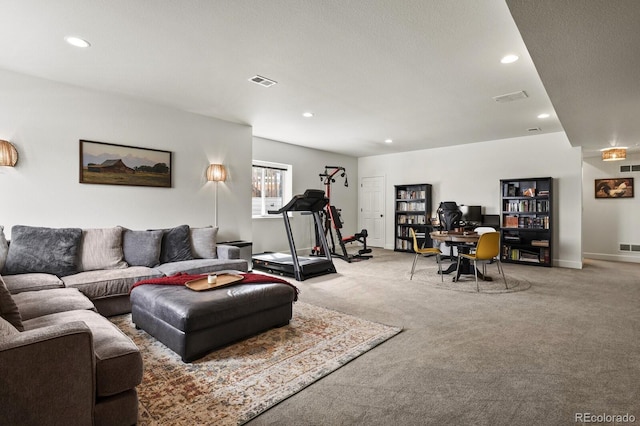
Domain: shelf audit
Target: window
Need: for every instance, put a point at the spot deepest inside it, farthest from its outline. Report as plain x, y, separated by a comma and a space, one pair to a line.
270, 187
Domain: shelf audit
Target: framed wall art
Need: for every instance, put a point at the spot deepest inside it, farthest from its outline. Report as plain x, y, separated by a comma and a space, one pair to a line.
111, 164
614, 188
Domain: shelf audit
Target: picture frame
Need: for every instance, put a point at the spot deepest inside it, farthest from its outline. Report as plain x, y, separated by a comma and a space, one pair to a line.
614, 188
112, 164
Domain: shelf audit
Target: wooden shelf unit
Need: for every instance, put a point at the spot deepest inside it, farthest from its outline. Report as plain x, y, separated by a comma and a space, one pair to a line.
526, 232
412, 206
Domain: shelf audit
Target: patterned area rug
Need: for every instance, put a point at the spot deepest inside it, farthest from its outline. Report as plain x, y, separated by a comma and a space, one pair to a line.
236, 383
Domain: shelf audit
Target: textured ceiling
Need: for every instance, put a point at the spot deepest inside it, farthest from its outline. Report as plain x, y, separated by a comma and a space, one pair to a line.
588, 58
421, 72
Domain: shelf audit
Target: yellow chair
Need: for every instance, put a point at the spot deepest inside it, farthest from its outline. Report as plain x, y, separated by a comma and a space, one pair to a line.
422, 251
487, 249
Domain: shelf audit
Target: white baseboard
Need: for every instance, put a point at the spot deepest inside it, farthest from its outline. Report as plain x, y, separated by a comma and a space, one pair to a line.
613, 257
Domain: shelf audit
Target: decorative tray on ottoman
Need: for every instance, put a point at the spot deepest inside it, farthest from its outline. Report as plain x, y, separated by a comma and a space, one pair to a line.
222, 280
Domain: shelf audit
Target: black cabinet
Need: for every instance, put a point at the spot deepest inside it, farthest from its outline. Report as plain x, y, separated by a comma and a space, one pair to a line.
412, 210
527, 221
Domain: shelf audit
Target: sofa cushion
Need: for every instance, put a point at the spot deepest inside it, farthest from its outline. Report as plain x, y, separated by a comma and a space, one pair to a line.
203, 242
33, 304
118, 360
101, 249
6, 328
31, 282
176, 244
142, 248
202, 266
4, 248
46, 250
8, 308
110, 282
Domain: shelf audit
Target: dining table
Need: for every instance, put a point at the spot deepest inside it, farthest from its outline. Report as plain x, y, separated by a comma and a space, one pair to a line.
464, 241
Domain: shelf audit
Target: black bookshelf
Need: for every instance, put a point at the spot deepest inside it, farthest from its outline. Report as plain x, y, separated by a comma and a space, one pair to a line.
526, 232
412, 206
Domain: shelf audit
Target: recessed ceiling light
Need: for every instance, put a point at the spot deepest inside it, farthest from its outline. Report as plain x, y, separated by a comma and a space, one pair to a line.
388, 141
544, 115
77, 41
509, 59
307, 114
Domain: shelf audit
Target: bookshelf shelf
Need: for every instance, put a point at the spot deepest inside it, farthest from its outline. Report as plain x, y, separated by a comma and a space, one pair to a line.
527, 221
412, 210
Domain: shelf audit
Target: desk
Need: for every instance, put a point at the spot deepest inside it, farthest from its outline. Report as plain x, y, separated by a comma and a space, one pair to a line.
464, 244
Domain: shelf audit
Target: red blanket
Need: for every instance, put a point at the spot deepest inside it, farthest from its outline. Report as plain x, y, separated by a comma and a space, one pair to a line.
181, 278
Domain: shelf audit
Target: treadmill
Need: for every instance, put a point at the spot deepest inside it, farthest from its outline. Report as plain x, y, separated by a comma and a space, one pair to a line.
300, 267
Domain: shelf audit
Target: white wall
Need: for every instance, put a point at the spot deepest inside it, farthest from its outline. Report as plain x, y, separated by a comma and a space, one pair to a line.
470, 174
609, 222
45, 121
269, 233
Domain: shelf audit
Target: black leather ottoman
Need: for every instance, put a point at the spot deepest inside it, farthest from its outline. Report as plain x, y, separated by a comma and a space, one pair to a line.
192, 323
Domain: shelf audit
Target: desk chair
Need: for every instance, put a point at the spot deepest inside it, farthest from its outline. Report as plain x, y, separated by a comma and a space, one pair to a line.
488, 249
449, 215
422, 251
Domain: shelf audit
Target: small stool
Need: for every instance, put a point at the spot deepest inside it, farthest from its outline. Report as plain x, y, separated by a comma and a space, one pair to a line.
192, 323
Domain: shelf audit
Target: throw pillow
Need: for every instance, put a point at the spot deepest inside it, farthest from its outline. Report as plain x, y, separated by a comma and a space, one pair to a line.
203, 242
4, 248
6, 329
44, 250
101, 249
142, 248
176, 244
8, 309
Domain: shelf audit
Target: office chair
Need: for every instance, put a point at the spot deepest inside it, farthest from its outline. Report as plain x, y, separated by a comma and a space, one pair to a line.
488, 249
422, 251
449, 215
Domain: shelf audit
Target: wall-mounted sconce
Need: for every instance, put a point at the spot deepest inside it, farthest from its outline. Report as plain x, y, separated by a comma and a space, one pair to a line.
614, 154
8, 154
216, 173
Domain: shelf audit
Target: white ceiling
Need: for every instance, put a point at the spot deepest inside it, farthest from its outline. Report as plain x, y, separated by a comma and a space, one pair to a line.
422, 72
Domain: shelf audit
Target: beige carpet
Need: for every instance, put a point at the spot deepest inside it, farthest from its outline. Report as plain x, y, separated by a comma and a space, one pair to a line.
234, 384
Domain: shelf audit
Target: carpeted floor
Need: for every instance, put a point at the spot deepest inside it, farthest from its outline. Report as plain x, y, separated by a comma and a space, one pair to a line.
568, 344
232, 385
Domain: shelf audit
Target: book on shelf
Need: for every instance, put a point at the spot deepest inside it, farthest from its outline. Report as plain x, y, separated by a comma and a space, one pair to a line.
511, 221
540, 243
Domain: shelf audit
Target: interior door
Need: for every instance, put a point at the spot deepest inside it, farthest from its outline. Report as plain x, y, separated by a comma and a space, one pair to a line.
372, 209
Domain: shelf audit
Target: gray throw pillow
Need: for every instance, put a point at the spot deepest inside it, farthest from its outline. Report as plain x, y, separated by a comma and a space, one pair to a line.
203, 243
142, 248
176, 244
6, 329
101, 249
8, 309
4, 248
44, 250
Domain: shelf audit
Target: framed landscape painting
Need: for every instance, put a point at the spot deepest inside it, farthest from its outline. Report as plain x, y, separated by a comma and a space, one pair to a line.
111, 164
614, 188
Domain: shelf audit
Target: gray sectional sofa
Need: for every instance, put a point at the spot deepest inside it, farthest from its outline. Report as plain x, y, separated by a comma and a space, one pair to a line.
61, 360
104, 263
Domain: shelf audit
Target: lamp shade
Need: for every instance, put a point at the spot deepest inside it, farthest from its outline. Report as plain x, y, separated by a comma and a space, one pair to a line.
216, 173
614, 154
8, 154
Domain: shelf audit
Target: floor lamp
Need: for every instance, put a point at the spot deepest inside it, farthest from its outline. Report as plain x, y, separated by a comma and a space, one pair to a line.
216, 173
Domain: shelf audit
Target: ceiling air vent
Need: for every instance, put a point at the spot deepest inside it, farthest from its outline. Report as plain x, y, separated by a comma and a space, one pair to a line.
262, 81
510, 97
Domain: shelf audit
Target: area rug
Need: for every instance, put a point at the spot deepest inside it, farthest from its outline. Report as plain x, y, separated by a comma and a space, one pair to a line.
234, 384
428, 274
